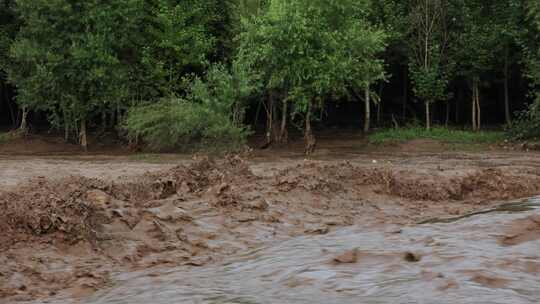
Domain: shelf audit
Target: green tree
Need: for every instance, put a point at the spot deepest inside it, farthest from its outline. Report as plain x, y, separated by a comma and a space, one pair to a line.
532, 43
9, 27
180, 39
68, 58
528, 125
312, 50
82, 61
476, 42
507, 14
428, 20
392, 17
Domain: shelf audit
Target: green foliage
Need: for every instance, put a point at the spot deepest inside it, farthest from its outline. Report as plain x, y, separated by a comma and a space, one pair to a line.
4, 137
178, 41
68, 57
431, 81
437, 133
429, 66
78, 60
224, 91
312, 49
10, 136
9, 26
477, 35
532, 43
528, 124
97, 60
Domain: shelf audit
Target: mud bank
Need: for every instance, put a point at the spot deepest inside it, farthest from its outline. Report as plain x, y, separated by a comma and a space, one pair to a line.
66, 236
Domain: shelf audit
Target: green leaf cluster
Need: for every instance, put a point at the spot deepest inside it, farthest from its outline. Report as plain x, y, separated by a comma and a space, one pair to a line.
313, 49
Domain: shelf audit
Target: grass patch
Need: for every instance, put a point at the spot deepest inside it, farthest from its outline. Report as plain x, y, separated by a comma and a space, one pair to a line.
8, 136
4, 137
442, 134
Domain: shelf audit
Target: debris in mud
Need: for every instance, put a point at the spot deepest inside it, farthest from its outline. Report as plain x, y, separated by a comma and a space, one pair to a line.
491, 282
259, 204
98, 198
522, 231
317, 229
412, 257
449, 284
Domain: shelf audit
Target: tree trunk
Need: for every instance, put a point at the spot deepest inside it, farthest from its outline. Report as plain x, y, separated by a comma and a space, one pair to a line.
7, 100
272, 126
112, 120
257, 113
405, 93
428, 116
104, 121
66, 128
283, 133
83, 136
367, 113
459, 102
23, 128
508, 116
473, 121
119, 116
66, 132
447, 121
478, 110
379, 110
270, 110
379, 105
308, 132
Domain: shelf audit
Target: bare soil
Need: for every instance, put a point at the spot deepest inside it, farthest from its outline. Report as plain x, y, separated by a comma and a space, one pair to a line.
69, 223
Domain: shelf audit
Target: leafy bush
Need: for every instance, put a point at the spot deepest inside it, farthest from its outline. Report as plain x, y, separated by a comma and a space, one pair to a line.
527, 126
210, 116
178, 123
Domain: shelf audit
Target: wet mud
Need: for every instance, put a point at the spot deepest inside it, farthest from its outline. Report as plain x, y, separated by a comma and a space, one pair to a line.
332, 223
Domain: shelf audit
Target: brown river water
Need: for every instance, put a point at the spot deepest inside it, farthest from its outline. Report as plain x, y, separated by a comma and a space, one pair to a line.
470, 259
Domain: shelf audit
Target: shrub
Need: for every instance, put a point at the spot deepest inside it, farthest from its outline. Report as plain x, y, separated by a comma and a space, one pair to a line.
210, 116
178, 123
527, 126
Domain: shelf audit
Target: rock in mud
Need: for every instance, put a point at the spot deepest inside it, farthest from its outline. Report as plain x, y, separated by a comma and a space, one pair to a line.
98, 198
317, 229
164, 188
170, 213
259, 204
348, 257
412, 257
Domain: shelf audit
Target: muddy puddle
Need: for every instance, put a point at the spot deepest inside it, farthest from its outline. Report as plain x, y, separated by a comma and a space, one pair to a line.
467, 260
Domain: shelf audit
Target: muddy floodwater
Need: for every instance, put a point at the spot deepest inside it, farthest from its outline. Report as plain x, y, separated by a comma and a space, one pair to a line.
448, 228
462, 261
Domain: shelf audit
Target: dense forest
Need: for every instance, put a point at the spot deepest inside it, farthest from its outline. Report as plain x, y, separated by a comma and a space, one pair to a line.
173, 73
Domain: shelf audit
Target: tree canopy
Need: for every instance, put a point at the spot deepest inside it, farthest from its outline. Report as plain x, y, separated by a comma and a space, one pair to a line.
130, 65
